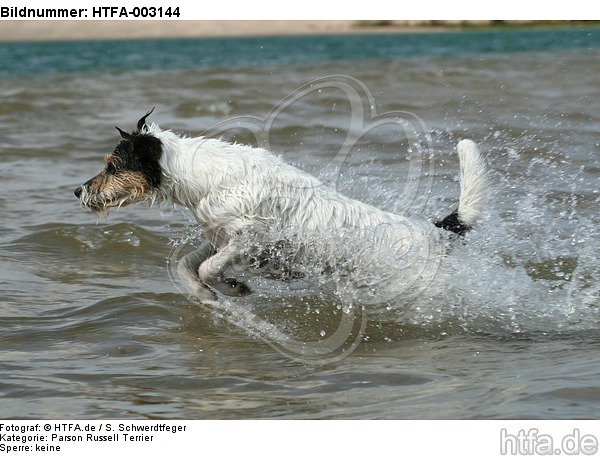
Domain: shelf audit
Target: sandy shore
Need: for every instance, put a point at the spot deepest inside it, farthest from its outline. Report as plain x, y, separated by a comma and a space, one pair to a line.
27, 30
44, 30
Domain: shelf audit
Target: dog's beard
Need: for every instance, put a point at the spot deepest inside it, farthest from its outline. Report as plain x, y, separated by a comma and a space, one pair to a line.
100, 203
106, 191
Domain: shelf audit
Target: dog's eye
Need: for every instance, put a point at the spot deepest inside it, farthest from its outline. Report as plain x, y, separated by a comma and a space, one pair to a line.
111, 169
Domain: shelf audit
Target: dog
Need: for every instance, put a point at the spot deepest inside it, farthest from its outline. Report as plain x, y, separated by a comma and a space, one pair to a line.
261, 216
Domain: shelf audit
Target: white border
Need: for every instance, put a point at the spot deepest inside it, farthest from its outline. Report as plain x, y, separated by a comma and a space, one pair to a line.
355, 11
304, 438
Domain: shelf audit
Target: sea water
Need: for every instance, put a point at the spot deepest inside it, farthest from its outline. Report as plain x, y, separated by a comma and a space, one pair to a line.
93, 324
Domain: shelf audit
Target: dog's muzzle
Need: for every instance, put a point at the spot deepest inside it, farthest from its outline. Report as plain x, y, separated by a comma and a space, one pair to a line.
79, 190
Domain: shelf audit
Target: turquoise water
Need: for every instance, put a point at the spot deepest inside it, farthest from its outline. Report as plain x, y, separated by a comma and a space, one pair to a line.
95, 56
93, 326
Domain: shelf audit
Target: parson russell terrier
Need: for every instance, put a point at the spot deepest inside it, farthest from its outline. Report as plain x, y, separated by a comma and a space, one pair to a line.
261, 216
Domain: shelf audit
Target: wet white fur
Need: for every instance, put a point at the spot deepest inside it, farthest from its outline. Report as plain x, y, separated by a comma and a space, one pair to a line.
473, 182
229, 187
233, 188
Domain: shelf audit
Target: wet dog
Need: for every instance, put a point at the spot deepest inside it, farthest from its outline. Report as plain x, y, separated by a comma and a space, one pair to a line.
262, 216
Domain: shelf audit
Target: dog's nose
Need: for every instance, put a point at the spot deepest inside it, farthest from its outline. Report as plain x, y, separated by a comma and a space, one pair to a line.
78, 191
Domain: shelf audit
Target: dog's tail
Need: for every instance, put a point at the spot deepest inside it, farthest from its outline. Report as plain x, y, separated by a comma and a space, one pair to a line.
473, 189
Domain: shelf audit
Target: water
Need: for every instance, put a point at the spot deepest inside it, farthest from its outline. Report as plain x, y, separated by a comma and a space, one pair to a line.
91, 325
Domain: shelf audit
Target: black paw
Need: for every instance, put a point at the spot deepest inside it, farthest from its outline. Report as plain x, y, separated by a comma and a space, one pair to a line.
233, 287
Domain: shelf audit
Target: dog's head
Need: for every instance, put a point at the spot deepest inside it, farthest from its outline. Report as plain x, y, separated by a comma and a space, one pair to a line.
132, 173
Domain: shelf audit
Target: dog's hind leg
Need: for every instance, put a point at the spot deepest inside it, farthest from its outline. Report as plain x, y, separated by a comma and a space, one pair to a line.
213, 272
188, 271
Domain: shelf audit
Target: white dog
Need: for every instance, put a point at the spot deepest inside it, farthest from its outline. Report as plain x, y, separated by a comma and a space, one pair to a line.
260, 215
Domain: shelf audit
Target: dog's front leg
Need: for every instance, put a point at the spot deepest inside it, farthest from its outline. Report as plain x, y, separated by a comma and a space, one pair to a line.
188, 271
214, 272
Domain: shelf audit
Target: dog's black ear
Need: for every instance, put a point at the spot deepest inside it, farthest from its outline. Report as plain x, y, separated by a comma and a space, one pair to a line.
142, 122
124, 134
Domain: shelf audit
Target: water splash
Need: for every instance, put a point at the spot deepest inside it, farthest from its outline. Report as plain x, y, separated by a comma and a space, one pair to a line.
530, 267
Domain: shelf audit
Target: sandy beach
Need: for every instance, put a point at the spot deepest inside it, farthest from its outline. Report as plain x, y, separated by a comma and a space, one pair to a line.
49, 30
30, 30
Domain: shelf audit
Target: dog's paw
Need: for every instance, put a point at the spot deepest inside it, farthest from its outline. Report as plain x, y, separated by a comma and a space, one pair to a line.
233, 287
